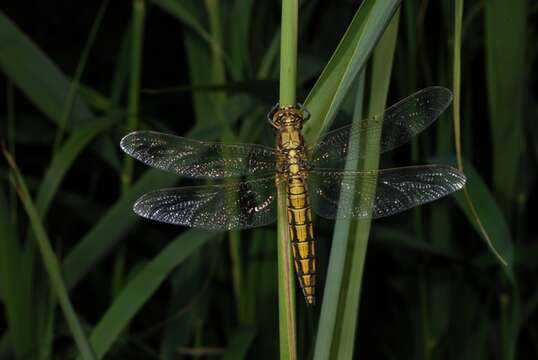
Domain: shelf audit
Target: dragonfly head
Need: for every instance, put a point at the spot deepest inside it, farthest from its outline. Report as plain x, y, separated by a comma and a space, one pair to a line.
291, 115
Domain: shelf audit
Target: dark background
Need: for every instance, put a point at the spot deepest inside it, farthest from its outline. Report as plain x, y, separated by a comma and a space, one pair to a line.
439, 295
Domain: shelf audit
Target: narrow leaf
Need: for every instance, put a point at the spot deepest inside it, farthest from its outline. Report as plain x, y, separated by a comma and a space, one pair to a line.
346, 62
137, 291
51, 263
492, 220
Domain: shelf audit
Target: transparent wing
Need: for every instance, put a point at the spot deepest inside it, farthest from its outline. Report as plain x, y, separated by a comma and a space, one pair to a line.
199, 159
239, 205
393, 128
375, 194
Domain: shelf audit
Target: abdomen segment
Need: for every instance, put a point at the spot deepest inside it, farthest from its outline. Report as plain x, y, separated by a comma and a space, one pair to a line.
302, 237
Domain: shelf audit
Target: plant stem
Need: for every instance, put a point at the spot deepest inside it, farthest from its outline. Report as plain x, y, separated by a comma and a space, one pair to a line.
458, 16
71, 96
288, 52
369, 144
139, 10
219, 100
286, 293
138, 17
286, 289
10, 100
339, 250
50, 262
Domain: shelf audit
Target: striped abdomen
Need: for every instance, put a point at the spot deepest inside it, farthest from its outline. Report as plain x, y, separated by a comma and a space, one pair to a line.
302, 236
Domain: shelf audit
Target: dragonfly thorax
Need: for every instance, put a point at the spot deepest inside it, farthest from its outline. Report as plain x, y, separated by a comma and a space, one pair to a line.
290, 144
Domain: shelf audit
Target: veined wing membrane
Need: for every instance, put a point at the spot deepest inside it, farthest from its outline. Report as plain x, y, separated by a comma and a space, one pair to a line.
375, 194
233, 206
396, 126
199, 159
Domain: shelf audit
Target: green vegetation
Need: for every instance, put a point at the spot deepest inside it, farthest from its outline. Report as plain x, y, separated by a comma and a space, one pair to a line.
81, 276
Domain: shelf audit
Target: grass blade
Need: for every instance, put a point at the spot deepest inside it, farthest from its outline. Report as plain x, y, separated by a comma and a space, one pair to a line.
346, 62
110, 229
137, 39
288, 52
456, 80
51, 263
73, 87
492, 221
239, 344
138, 17
65, 157
504, 253
239, 36
42, 81
505, 29
335, 271
381, 74
35, 74
116, 222
137, 291
331, 340
12, 294
176, 9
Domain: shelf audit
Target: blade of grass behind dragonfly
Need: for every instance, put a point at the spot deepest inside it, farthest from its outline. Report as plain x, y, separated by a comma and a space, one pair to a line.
35, 74
239, 31
111, 228
440, 233
327, 327
502, 249
75, 81
20, 332
135, 73
190, 301
353, 271
61, 162
65, 157
198, 60
339, 247
43, 83
505, 30
348, 59
121, 69
493, 219
142, 286
505, 33
51, 263
115, 223
220, 100
138, 19
269, 58
239, 344
18, 323
185, 15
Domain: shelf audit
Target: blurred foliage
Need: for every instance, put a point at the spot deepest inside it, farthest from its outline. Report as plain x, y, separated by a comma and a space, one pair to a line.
72, 83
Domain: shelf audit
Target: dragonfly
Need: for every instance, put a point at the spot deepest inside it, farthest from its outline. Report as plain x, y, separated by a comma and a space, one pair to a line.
318, 178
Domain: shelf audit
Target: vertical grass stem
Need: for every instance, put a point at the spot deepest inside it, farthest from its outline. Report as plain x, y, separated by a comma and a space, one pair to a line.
288, 75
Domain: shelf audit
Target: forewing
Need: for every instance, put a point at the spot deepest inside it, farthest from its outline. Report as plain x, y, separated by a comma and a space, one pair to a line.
199, 159
375, 194
240, 205
396, 126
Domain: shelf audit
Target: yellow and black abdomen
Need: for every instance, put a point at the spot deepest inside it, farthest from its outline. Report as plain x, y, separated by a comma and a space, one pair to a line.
302, 236
290, 142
